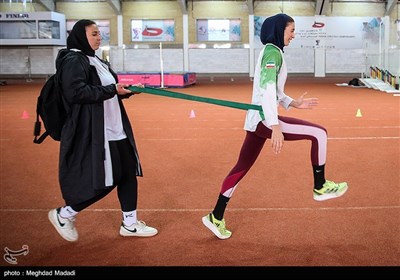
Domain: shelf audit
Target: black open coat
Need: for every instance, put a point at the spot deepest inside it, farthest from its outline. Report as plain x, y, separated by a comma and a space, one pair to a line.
82, 152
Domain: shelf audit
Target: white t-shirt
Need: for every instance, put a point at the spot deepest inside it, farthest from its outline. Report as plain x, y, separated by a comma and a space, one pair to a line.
113, 129
112, 112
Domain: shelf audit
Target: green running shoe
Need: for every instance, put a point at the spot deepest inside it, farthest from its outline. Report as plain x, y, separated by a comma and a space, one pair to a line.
330, 190
216, 226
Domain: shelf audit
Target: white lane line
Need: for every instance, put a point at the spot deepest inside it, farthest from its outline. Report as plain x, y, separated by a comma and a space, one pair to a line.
230, 209
364, 138
233, 138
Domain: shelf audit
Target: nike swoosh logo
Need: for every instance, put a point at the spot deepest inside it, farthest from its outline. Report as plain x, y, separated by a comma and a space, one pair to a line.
130, 230
318, 171
58, 220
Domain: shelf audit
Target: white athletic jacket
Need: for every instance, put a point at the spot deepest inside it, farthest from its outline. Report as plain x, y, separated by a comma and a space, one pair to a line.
268, 87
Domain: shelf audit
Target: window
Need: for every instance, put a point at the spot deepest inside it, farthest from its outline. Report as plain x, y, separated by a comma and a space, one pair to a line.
49, 29
36, 28
18, 29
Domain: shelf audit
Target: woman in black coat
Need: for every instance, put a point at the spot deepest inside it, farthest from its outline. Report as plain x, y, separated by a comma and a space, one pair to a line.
97, 147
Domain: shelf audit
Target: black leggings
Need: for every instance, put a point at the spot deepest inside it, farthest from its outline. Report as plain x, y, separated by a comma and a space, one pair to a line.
124, 175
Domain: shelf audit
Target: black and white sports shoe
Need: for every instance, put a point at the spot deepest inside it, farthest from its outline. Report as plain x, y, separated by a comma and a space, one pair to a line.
65, 227
140, 229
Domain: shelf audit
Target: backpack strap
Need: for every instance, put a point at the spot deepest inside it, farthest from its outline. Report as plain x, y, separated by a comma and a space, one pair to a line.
37, 128
36, 132
41, 138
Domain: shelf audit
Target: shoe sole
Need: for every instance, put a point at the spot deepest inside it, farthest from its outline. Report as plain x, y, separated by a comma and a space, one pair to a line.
211, 227
123, 232
330, 196
54, 222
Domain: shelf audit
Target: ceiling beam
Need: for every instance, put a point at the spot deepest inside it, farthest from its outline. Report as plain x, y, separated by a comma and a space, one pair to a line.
250, 6
183, 6
115, 5
321, 7
390, 6
48, 4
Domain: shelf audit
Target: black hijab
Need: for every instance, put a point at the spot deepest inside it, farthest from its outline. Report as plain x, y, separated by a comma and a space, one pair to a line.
273, 29
77, 38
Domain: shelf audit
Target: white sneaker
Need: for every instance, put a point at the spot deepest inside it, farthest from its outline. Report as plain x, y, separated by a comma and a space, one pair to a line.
139, 229
65, 227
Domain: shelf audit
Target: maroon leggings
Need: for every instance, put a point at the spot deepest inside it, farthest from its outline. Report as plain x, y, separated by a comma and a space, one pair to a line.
292, 129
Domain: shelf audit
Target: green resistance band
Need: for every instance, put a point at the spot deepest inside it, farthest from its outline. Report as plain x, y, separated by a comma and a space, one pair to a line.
232, 104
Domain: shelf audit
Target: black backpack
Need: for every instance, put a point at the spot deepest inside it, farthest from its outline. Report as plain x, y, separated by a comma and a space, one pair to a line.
50, 109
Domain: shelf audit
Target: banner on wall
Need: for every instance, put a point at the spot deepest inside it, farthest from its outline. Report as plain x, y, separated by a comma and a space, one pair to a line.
218, 30
153, 30
330, 32
104, 28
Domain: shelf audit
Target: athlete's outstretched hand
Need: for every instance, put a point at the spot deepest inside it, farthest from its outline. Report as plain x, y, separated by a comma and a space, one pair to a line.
304, 103
277, 139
